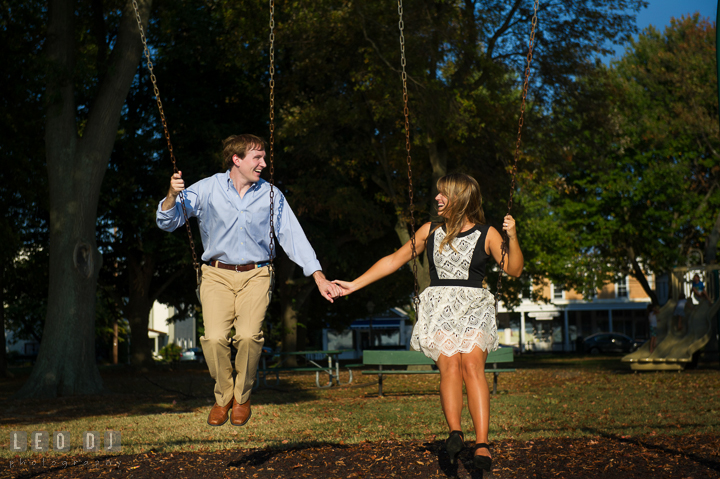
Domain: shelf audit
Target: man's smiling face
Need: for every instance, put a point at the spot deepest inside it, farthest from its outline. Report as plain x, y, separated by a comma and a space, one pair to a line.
251, 166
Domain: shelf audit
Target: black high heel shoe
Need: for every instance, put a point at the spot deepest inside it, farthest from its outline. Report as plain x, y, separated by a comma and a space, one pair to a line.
454, 444
482, 462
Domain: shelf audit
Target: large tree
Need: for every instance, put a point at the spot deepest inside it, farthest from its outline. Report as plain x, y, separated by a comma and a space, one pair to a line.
637, 165
341, 90
92, 52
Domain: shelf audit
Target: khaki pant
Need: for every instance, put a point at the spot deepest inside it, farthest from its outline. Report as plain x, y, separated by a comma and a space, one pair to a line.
233, 299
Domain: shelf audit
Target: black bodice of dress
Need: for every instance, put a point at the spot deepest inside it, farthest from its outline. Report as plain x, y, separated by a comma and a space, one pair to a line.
464, 266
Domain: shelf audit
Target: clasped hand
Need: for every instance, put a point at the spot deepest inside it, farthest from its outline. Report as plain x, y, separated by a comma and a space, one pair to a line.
344, 288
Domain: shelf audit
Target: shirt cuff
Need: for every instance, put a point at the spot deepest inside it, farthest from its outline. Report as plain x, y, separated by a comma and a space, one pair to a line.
310, 268
169, 214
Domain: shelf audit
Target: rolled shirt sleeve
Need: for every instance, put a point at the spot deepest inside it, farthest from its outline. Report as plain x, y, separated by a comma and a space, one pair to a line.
292, 238
173, 218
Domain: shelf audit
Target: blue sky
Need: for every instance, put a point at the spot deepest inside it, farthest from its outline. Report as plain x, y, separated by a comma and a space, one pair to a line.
659, 12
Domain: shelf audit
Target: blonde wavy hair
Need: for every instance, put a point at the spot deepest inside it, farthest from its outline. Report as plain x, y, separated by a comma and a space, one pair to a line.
464, 201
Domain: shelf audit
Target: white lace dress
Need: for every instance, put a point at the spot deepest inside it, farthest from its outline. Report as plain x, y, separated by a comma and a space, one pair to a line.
456, 313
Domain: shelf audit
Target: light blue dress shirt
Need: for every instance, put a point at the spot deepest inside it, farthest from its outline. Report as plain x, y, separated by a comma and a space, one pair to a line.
236, 230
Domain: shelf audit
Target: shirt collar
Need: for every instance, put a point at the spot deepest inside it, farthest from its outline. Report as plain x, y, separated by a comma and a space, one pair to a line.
254, 187
257, 186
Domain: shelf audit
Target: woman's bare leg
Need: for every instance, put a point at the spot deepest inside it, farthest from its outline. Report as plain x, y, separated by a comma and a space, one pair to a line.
473, 370
451, 389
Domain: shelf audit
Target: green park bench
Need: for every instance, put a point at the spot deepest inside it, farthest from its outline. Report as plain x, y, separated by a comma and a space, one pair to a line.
381, 358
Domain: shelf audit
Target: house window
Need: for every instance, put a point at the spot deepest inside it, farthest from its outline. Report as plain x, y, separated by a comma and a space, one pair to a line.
558, 292
622, 288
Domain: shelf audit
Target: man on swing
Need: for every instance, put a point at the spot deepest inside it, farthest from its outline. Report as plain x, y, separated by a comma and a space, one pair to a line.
233, 210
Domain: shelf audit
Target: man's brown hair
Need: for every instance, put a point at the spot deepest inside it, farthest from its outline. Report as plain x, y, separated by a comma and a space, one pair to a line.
239, 145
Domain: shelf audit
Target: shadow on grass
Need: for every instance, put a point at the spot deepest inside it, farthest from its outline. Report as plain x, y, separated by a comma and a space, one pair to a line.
571, 361
177, 390
709, 463
436, 448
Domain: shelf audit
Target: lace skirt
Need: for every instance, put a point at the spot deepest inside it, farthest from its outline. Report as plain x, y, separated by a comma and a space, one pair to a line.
454, 319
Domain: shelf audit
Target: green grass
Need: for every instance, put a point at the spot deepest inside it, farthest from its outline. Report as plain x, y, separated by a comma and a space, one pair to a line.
546, 397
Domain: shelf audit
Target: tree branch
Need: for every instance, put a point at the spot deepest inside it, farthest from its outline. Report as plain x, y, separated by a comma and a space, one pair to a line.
99, 30
60, 126
377, 50
638, 273
502, 29
98, 138
165, 285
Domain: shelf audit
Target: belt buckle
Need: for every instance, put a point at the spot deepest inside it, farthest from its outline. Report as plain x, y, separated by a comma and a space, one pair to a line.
236, 269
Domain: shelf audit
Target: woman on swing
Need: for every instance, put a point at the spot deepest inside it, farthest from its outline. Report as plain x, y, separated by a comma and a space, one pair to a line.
456, 317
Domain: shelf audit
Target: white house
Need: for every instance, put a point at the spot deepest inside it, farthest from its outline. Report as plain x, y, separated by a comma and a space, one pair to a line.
181, 333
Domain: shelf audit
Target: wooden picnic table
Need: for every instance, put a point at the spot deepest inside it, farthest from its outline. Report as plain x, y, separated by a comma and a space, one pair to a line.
332, 368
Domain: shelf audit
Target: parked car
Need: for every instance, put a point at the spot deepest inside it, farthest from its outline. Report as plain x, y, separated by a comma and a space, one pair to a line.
193, 354
609, 343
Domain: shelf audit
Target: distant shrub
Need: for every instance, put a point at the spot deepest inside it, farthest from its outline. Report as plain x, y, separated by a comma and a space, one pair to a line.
171, 353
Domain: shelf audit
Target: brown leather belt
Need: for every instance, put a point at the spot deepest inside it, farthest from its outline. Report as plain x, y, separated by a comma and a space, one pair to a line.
234, 267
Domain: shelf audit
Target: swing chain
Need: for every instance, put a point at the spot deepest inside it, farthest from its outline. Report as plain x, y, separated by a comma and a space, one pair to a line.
272, 130
406, 112
506, 240
150, 67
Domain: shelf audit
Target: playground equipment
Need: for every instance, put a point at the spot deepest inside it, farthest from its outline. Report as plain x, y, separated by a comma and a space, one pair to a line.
676, 347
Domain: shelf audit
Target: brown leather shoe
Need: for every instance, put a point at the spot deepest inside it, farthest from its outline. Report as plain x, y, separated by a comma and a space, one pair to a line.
219, 414
240, 414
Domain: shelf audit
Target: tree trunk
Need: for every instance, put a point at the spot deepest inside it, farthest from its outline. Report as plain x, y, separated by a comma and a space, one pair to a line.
115, 343
140, 274
4, 373
642, 279
437, 151
289, 334
285, 270
423, 269
76, 166
293, 294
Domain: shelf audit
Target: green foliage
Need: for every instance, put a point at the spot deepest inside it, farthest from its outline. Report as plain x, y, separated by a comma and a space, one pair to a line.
171, 352
340, 94
633, 180
23, 183
340, 151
